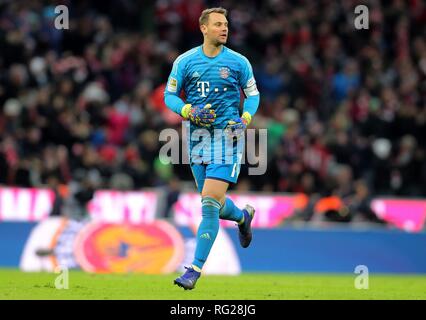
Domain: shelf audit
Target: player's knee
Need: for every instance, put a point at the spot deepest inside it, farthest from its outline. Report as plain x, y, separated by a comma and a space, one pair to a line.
212, 194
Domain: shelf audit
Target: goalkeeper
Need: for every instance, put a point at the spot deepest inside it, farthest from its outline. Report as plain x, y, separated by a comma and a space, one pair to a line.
211, 76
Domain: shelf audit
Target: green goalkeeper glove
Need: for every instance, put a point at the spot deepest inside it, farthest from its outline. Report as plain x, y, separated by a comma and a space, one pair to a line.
199, 115
237, 126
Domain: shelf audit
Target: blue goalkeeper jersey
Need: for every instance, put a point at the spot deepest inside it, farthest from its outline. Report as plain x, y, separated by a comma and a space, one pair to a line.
217, 81
214, 80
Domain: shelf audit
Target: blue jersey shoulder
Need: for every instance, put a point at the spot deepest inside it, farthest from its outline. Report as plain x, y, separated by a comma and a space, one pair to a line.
243, 61
179, 64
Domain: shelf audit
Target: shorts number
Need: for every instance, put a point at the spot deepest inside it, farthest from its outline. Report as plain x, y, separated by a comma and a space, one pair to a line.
233, 170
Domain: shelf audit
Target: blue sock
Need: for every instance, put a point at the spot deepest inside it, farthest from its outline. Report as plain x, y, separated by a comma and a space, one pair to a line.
207, 231
230, 211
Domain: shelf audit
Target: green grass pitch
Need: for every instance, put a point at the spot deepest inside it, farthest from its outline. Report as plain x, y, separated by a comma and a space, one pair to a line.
252, 286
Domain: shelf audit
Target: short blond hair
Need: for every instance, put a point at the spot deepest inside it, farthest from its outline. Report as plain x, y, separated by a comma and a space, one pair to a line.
204, 18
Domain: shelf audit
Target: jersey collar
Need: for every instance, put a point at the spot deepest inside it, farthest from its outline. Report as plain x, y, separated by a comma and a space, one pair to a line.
211, 59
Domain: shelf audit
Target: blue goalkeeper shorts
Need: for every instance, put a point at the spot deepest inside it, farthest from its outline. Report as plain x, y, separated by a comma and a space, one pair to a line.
225, 172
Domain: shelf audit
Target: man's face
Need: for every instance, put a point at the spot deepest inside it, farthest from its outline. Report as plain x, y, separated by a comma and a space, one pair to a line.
216, 30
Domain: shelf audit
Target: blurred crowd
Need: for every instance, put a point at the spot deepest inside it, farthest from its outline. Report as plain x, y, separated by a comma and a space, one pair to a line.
345, 109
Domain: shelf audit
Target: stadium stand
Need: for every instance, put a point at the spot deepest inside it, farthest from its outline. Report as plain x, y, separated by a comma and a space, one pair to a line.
345, 109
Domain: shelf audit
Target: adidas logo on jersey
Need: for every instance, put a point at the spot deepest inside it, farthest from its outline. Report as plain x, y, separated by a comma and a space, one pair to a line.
195, 75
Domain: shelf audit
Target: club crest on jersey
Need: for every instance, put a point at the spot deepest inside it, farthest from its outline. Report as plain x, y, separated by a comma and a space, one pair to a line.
224, 72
